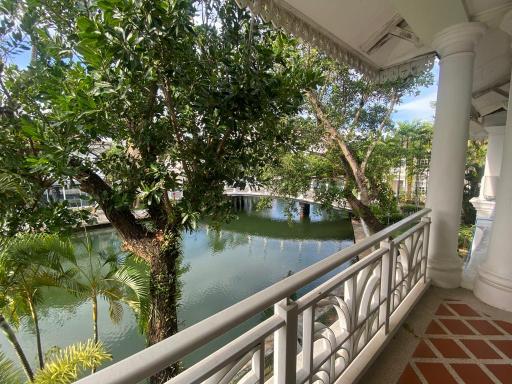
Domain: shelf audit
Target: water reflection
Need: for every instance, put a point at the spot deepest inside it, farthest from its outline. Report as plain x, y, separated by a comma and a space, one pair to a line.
225, 266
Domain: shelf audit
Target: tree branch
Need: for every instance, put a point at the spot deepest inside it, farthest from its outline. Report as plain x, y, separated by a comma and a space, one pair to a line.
122, 217
169, 101
335, 136
362, 102
368, 154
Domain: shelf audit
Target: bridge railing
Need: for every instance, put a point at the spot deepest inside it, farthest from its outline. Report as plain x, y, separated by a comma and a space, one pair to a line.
332, 332
307, 197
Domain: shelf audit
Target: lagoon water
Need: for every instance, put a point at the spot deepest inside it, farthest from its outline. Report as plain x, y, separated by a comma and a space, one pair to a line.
226, 266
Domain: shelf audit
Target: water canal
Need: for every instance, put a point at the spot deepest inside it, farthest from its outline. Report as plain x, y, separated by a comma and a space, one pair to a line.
226, 266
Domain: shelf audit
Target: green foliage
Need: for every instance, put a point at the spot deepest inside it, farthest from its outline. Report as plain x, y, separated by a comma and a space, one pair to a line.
66, 365
186, 102
349, 143
9, 374
475, 162
466, 233
27, 263
107, 274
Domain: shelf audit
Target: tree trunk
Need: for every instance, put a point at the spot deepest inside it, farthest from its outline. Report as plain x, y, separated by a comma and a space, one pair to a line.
11, 336
95, 323
365, 214
38, 333
165, 294
161, 249
95, 318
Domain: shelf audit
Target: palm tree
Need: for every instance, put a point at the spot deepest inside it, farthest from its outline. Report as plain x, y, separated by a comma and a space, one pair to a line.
7, 372
105, 274
62, 368
29, 262
66, 365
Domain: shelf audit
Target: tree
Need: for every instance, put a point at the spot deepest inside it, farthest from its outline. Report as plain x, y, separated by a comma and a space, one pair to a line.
7, 372
412, 142
63, 368
66, 365
29, 262
351, 117
105, 274
134, 99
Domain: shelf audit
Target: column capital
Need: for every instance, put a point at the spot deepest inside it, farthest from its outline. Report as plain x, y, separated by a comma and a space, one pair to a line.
458, 38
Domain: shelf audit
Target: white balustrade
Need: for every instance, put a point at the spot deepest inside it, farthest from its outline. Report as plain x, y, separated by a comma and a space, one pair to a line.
329, 334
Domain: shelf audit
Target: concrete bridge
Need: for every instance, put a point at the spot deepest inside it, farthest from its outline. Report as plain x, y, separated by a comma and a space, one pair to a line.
308, 198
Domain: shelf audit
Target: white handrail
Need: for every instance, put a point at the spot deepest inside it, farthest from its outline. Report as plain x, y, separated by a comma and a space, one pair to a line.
157, 357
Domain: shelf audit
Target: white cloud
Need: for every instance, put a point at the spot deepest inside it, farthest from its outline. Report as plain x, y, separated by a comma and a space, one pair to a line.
416, 108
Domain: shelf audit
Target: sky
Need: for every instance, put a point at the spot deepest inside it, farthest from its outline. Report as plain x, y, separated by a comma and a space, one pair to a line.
419, 107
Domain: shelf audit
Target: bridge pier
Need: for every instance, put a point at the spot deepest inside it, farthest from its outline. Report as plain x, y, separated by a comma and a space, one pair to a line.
304, 209
238, 203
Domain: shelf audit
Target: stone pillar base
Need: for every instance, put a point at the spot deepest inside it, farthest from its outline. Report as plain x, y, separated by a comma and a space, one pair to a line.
494, 289
444, 272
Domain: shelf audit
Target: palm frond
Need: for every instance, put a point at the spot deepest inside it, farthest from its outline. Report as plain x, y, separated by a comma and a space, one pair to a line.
40, 248
115, 310
66, 365
136, 280
9, 374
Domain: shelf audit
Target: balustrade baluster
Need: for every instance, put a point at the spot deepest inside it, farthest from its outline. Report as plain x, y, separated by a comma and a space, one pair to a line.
387, 281
285, 343
426, 233
308, 340
258, 363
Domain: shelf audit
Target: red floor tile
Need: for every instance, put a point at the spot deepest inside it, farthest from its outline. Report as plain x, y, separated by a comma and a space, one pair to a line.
463, 309
502, 371
504, 346
443, 311
505, 325
471, 374
434, 329
457, 327
480, 349
408, 376
484, 327
436, 373
449, 348
423, 350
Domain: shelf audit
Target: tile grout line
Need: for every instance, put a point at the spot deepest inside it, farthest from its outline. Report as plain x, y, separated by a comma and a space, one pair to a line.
471, 357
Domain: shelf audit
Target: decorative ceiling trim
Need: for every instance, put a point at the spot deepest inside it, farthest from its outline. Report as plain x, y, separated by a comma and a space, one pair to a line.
413, 67
276, 12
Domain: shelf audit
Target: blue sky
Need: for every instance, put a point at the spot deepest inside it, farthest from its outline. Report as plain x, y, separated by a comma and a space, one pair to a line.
419, 107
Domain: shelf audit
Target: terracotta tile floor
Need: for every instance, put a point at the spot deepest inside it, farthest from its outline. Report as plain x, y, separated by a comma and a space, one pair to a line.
461, 345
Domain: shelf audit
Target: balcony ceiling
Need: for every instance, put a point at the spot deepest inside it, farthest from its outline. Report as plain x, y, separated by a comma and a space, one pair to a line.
390, 38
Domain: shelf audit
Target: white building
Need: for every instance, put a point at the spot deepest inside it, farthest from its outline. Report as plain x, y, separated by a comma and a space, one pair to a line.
410, 188
408, 275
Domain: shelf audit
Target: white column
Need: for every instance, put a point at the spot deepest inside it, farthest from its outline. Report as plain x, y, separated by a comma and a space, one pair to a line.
494, 281
484, 205
455, 45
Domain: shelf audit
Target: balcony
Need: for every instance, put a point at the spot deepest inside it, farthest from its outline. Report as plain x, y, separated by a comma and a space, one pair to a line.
330, 334
449, 337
